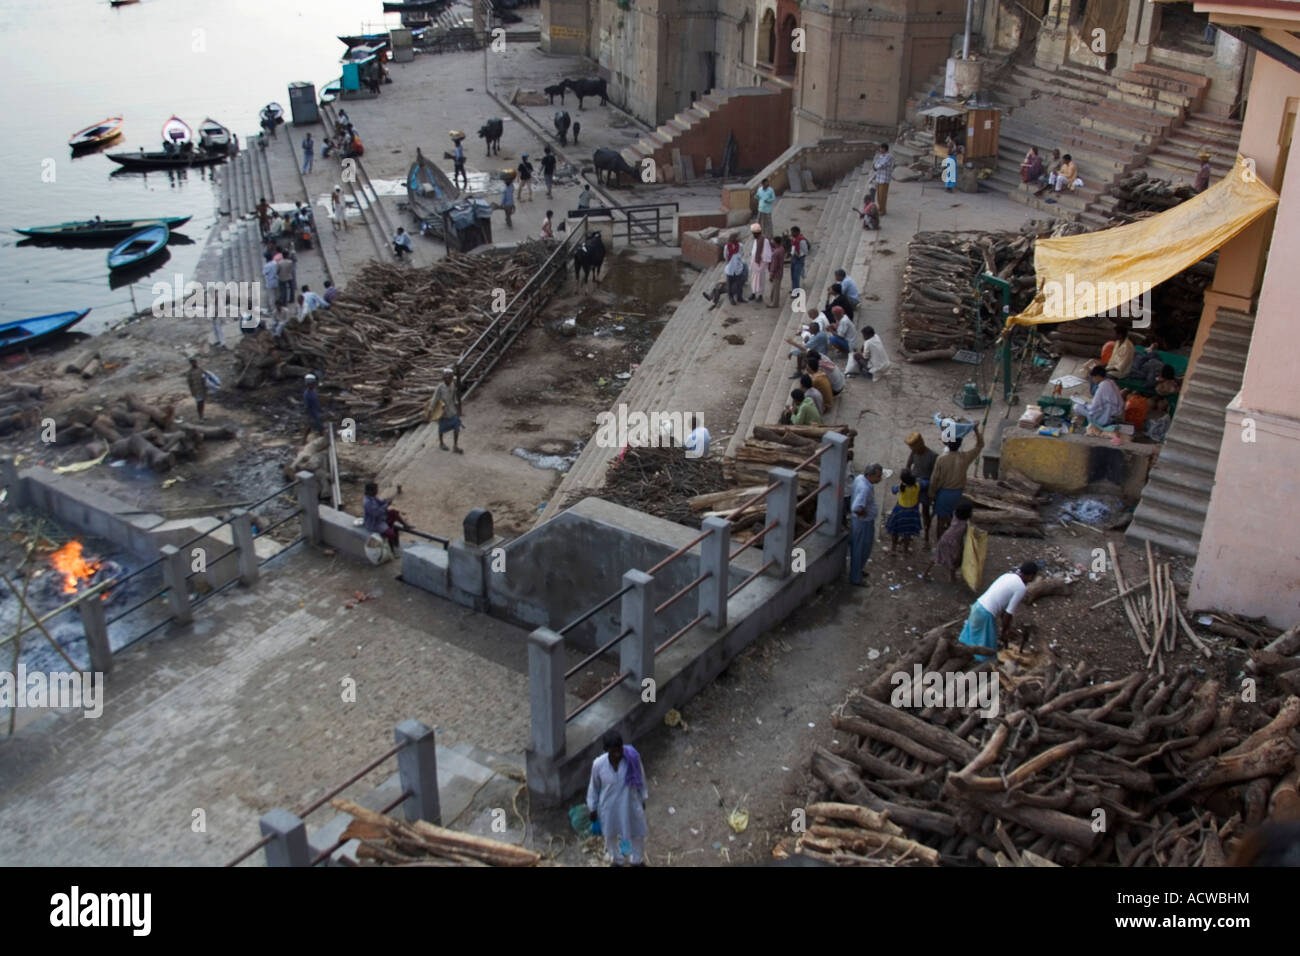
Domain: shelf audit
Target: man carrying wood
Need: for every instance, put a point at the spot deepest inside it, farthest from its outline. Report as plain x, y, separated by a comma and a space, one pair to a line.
948, 478
862, 527
444, 408
616, 798
992, 612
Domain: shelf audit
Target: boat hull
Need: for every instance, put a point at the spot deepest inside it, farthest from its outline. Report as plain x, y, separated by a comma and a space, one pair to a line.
142, 160
90, 231
92, 137
27, 332
139, 249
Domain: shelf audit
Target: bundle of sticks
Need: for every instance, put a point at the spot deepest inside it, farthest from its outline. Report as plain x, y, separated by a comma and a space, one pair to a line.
387, 338
843, 834
1169, 764
136, 429
1155, 616
1008, 505
385, 839
773, 446
660, 482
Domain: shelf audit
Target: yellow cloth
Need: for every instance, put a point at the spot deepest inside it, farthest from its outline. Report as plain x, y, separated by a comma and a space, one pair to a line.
908, 497
974, 550
1121, 263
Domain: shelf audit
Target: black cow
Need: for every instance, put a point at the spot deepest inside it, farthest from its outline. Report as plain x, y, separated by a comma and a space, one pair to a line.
562, 127
577, 128
491, 131
588, 258
553, 91
612, 163
588, 86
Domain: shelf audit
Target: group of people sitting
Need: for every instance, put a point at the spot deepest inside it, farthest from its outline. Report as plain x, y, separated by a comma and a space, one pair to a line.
1145, 404
286, 231
1061, 174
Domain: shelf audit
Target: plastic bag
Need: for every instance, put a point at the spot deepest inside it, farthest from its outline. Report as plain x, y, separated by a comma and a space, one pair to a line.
852, 368
580, 820
975, 548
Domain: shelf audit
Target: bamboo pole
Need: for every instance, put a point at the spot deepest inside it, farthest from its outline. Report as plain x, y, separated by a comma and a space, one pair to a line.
1126, 602
22, 600
60, 609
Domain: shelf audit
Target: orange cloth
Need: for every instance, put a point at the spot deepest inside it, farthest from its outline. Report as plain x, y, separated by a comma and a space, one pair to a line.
1107, 351
823, 385
1135, 411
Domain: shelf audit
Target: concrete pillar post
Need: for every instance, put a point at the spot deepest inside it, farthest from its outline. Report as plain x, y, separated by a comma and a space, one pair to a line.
830, 501
178, 588
9, 479
289, 846
241, 527
417, 769
778, 544
309, 502
92, 621
546, 692
715, 556
636, 652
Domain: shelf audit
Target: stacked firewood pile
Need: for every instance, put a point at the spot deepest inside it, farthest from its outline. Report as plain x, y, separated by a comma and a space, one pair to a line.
1140, 196
658, 481
19, 406
385, 839
1007, 506
939, 296
1272, 652
388, 337
132, 428
773, 446
1175, 766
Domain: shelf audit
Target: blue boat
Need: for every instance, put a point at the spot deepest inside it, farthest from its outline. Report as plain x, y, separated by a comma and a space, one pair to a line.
25, 332
139, 248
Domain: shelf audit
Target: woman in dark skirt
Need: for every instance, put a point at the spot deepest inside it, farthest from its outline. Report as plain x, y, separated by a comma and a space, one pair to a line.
904, 522
948, 550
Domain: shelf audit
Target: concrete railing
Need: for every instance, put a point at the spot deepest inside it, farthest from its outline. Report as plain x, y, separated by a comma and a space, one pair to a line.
829, 160
149, 537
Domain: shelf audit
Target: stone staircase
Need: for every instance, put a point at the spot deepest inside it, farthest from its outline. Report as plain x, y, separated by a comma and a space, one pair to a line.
1177, 495
1175, 158
839, 242
242, 182
684, 131
1108, 123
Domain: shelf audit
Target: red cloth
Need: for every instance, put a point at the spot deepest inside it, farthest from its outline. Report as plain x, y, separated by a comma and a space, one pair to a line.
1135, 411
1106, 351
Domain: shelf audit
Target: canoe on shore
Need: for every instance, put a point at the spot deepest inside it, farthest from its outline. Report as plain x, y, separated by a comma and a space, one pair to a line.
139, 248
97, 230
25, 332
102, 132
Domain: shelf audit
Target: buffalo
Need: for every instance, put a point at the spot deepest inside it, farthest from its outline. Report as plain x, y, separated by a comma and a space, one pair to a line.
612, 163
588, 86
577, 128
491, 131
562, 127
553, 91
588, 257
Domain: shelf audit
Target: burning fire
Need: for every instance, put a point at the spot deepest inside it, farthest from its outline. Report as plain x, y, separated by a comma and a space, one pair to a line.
75, 569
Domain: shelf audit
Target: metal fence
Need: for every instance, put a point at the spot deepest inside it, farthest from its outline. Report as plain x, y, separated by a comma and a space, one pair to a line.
646, 222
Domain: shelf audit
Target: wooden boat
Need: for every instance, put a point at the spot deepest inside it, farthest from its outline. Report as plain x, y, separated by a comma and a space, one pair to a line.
183, 159
271, 114
121, 3
26, 332
139, 248
177, 131
365, 39
214, 137
102, 132
97, 230
415, 6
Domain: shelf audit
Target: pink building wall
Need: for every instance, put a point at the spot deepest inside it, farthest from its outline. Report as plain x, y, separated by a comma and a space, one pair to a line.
1249, 560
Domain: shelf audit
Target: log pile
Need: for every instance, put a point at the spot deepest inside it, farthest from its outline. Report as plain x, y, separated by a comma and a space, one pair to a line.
19, 406
773, 446
939, 296
1007, 506
1171, 764
135, 429
385, 839
658, 481
386, 340
1140, 196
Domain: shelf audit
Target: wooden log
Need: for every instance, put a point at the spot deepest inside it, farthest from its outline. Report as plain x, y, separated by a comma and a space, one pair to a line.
867, 730
851, 813
1023, 773
1053, 823
843, 780
467, 844
1285, 644
1270, 758
932, 737
1288, 716
864, 840
1045, 587
930, 355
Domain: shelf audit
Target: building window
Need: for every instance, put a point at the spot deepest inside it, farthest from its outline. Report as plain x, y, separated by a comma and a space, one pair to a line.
785, 55
767, 39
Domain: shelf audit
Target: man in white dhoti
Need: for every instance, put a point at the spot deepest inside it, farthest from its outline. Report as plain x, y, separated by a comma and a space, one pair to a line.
760, 262
616, 799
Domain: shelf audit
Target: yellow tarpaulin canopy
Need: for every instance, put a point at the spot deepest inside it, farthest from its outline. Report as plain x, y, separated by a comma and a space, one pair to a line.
1081, 276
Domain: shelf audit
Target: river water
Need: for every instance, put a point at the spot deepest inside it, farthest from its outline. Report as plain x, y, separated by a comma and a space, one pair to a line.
72, 63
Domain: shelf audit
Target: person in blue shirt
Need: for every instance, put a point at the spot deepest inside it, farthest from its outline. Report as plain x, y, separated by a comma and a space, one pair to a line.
508, 201
862, 526
766, 197
848, 287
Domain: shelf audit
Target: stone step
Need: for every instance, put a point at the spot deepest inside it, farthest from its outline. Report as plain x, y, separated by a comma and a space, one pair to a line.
1193, 503
1190, 79
1172, 541
1189, 458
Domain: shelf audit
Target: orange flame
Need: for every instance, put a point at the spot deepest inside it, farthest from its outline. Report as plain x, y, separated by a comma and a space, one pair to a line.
75, 569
